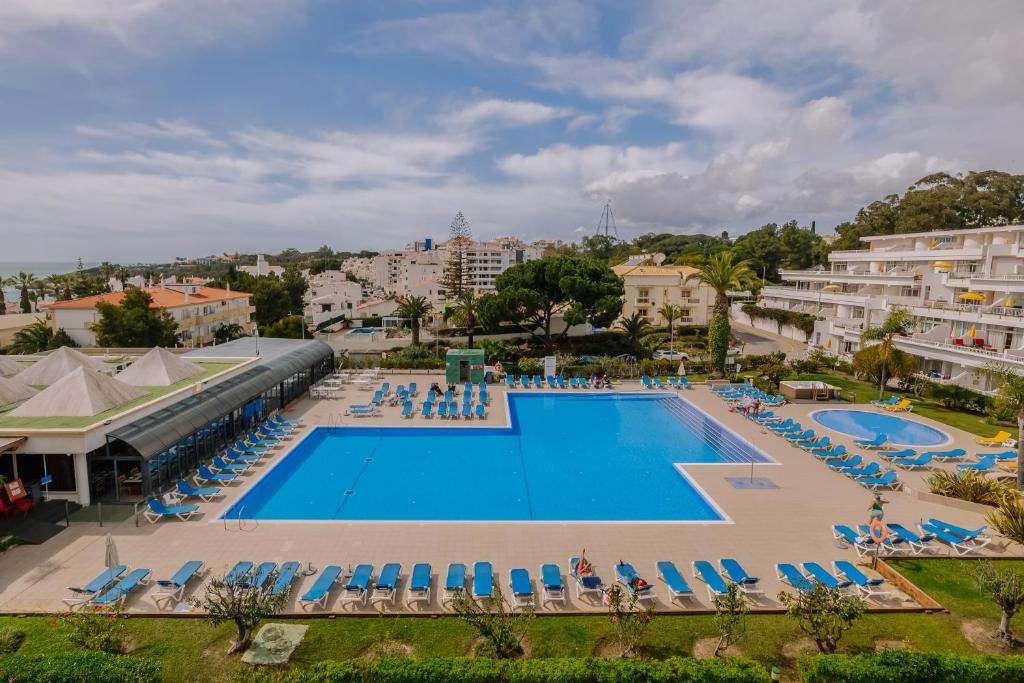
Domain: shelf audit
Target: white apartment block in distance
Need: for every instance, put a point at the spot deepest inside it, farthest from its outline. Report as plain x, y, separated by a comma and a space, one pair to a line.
198, 310
964, 288
649, 285
330, 295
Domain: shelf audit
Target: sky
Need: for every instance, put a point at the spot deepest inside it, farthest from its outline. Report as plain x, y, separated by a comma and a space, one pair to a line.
141, 130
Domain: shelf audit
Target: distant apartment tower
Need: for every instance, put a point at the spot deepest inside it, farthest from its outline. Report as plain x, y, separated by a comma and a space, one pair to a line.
197, 310
964, 288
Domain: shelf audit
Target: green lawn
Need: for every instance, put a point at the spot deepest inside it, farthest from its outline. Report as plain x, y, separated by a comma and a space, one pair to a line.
861, 392
8, 422
191, 649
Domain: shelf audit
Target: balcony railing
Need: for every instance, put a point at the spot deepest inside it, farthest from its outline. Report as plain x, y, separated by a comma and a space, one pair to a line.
1004, 355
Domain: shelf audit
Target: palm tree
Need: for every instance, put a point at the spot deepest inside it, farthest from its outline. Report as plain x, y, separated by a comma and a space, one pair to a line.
25, 282
413, 309
122, 275
1011, 392
33, 338
61, 286
4, 282
464, 313
634, 328
670, 312
722, 274
896, 324
42, 287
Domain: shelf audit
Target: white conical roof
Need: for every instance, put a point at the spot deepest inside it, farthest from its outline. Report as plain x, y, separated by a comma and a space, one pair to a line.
82, 393
159, 367
12, 391
8, 367
59, 364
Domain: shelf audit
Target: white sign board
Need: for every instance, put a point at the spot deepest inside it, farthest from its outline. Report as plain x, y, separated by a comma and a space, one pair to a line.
549, 366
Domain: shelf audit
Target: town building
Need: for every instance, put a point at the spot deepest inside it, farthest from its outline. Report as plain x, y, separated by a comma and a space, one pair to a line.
330, 298
12, 323
100, 437
262, 268
964, 289
198, 310
649, 285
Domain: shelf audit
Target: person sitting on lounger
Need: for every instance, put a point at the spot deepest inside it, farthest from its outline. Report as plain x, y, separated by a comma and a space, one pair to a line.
584, 568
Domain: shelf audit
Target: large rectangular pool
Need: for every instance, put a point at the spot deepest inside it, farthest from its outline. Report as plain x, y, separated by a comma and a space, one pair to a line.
566, 457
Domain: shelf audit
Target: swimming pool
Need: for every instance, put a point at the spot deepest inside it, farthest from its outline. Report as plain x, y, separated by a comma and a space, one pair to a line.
565, 457
864, 424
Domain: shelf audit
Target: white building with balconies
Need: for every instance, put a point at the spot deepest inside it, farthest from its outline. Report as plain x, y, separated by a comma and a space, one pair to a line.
964, 288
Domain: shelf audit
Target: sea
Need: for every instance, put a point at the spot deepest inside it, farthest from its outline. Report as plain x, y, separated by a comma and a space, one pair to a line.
40, 269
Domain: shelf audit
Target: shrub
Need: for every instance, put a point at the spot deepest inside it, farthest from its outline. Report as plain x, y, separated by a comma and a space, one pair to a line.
99, 631
10, 639
867, 364
960, 398
1002, 411
502, 628
554, 670
730, 617
718, 342
911, 667
970, 486
421, 357
1008, 520
74, 667
823, 613
531, 366
1006, 588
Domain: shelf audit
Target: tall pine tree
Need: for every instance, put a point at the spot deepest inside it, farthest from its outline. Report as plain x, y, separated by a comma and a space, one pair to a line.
456, 275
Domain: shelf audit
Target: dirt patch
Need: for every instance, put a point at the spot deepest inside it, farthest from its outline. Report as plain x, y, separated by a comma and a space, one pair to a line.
481, 647
883, 645
704, 648
392, 649
608, 648
800, 646
980, 633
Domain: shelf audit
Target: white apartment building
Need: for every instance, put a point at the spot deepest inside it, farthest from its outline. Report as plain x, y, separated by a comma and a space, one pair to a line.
330, 295
198, 310
965, 289
262, 268
649, 286
361, 267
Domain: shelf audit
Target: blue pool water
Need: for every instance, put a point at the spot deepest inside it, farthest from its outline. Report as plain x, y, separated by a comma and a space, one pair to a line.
864, 424
565, 457
366, 330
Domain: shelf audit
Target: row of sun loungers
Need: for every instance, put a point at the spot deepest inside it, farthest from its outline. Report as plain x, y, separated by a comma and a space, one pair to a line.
553, 382
735, 394
934, 534
669, 383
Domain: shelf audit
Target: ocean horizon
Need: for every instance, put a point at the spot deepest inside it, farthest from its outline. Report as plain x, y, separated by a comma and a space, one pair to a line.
40, 269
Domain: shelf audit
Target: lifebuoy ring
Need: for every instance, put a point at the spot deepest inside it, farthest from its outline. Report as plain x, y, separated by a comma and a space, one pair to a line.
877, 530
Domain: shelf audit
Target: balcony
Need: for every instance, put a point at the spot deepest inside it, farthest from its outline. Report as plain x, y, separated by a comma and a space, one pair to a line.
895, 277
814, 296
944, 310
970, 356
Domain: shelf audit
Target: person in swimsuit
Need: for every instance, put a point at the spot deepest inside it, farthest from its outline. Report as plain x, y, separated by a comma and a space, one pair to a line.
876, 510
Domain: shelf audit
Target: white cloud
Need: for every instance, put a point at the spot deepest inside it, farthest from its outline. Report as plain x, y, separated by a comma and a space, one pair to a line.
504, 113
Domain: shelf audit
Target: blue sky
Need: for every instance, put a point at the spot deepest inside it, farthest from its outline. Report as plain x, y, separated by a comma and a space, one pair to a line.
146, 129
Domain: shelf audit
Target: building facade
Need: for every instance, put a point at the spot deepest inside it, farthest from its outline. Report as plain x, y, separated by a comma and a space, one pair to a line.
330, 295
197, 310
648, 287
964, 289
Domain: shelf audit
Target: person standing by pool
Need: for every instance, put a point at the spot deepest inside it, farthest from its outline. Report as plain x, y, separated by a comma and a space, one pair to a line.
876, 510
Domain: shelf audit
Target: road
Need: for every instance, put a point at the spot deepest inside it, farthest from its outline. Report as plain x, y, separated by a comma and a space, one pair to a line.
758, 342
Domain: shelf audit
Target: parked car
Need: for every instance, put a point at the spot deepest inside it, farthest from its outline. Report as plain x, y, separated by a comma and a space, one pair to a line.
625, 358
669, 354
588, 360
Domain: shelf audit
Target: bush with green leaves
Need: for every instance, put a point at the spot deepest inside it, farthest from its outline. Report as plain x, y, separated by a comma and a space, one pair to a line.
544, 670
1002, 411
10, 639
959, 398
629, 618
1008, 520
99, 630
970, 486
867, 364
823, 613
719, 334
502, 627
76, 667
730, 617
419, 357
911, 667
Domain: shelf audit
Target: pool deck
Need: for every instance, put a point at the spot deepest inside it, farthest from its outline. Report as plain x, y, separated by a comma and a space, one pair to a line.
791, 523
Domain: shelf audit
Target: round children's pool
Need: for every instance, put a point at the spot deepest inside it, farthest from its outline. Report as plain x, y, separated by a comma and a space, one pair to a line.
864, 424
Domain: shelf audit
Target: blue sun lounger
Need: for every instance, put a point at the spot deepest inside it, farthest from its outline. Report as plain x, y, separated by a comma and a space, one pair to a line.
552, 588
918, 544
205, 474
868, 587
480, 411
427, 407
953, 454
706, 572
789, 574
118, 594
589, 584
442, 409
892, 544
419, 584
238, 572
796, 437
870, 470
522, 589
878, 441
892, 400
157, 511
483, 580
524, 381
976, 535
862, 543
285, 575
920, 462
551, 382
188, 491
407, 409
173, 589
822, 444
413, 389
737, 574
82, 595
677, 586
242, 447
467, 409
889, 480
232, 455
221, 465
983, 465
844, 463
483, 398
454, 583
628, 577
386, 587
825, 453
320, 591
824, 576
358, 587
260, 575
959, 544
894, 455
561, 381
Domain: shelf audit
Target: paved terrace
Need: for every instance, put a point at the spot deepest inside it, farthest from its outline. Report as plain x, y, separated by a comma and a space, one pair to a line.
788, 524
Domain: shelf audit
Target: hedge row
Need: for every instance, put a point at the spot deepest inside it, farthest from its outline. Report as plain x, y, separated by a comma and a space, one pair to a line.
479, 670
911, 667
95, 667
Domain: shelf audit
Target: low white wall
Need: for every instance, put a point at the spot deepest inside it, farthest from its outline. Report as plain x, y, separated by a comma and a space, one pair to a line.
769, 326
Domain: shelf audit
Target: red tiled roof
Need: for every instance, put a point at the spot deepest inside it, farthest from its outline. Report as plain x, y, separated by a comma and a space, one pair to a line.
162, 298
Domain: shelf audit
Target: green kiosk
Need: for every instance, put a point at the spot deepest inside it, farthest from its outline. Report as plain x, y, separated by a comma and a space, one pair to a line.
464, 365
